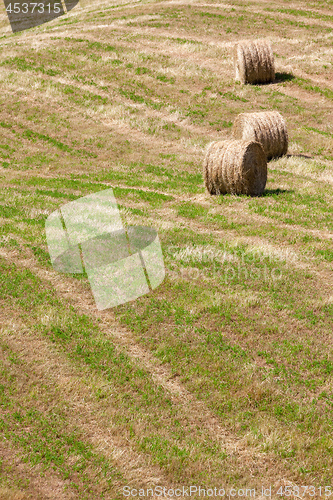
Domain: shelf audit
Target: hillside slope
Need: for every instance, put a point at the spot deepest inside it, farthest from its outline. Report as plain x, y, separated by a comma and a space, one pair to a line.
222, 376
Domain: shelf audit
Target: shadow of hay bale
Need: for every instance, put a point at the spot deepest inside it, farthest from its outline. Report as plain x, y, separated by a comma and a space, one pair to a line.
277, 191
283, 77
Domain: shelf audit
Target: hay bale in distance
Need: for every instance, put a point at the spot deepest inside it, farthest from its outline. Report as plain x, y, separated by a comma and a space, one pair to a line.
268, 128
254, 62
235, 167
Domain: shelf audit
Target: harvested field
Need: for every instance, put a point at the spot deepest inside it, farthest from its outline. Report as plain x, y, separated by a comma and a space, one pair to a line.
222, 376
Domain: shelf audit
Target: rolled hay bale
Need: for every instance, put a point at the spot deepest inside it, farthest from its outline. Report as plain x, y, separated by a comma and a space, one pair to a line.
268, 128
235, 167
254, 62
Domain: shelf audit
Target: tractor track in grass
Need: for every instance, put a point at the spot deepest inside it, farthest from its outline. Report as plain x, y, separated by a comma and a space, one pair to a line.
262, 464
51, 365
237, 214
182, 122
205, 64
254, 10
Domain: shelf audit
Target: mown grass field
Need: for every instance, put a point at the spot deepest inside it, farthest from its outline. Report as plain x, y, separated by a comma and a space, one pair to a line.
223, 375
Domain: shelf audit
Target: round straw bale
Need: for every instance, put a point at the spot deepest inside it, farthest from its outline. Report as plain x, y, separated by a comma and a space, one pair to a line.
254, 62
268, 128
236, 167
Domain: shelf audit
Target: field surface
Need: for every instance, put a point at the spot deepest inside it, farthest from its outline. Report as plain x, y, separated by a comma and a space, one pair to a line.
223, 376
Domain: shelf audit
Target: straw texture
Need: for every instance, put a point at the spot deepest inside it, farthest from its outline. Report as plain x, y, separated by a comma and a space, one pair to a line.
236, 167
268, 128
254, 62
